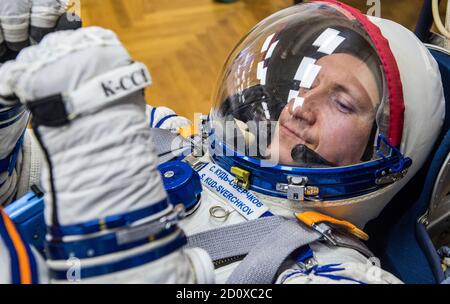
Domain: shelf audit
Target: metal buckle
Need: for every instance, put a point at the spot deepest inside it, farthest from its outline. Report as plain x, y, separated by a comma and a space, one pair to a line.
174, 217
327, 233
194, 162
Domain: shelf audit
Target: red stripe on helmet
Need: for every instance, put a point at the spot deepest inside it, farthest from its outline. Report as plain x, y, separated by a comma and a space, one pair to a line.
390, 68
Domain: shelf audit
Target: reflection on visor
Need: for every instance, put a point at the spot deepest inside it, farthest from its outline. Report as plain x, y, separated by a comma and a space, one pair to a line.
309, 76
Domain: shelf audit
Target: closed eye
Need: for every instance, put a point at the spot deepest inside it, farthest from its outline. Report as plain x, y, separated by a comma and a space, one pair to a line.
342, 104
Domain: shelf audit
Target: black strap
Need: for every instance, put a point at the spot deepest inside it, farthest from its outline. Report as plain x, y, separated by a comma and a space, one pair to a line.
49, 111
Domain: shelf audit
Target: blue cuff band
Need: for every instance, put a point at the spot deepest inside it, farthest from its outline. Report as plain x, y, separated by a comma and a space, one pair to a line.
103, 245
109, 222
125, 264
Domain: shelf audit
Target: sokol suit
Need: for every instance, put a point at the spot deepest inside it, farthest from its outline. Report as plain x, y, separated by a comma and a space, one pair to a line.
104, 195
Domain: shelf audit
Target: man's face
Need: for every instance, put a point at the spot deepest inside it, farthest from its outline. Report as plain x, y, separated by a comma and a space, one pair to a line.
336, 117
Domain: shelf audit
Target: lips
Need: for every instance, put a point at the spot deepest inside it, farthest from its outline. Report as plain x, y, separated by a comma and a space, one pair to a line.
289, 132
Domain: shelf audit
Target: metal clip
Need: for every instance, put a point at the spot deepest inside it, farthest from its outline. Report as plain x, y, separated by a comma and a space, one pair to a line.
389, 178
242, 177
314, 220
174, 217
325, 231
194, 162
319, 222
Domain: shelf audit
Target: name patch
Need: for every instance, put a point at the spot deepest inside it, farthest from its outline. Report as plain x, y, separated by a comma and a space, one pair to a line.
222, 183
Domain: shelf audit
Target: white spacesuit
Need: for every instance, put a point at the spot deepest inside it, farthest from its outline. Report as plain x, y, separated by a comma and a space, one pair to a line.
270, 157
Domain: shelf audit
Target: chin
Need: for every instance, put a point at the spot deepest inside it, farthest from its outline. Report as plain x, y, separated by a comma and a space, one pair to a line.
285, 157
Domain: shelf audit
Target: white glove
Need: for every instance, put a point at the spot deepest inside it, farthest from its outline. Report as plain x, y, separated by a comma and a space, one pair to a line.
100, 157
25, 21
165, 118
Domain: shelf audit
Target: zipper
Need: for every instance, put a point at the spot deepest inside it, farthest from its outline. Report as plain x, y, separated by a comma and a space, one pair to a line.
227, 261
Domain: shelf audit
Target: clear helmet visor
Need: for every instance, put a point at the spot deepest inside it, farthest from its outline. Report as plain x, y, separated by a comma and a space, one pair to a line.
304, 88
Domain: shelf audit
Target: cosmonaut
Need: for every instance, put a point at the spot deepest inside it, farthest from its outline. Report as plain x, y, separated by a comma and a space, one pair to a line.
319, 119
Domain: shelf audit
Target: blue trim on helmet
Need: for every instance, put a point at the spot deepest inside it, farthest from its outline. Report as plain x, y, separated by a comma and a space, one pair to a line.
333, 183
109, 222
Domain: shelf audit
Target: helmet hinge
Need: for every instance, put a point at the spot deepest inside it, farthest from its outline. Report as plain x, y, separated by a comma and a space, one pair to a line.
297, 189
389, 177
242, 177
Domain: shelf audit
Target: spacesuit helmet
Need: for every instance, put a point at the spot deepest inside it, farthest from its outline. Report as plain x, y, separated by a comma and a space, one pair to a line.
311, 105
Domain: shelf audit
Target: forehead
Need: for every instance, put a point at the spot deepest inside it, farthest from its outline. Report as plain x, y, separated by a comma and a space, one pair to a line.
351, 72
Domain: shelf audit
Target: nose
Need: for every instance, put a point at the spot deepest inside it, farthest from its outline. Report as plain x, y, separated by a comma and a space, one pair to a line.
304, 108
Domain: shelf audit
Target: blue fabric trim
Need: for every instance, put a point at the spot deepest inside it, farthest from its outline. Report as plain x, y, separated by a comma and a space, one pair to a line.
161, 121
294, 273
266, 214
305, 254
112, 221
12, 112
98, 246
11, 122
15, 268
327, 268
425, 243
323, 271
152, 116
15, 154
443, 60
9, 163
125, 264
